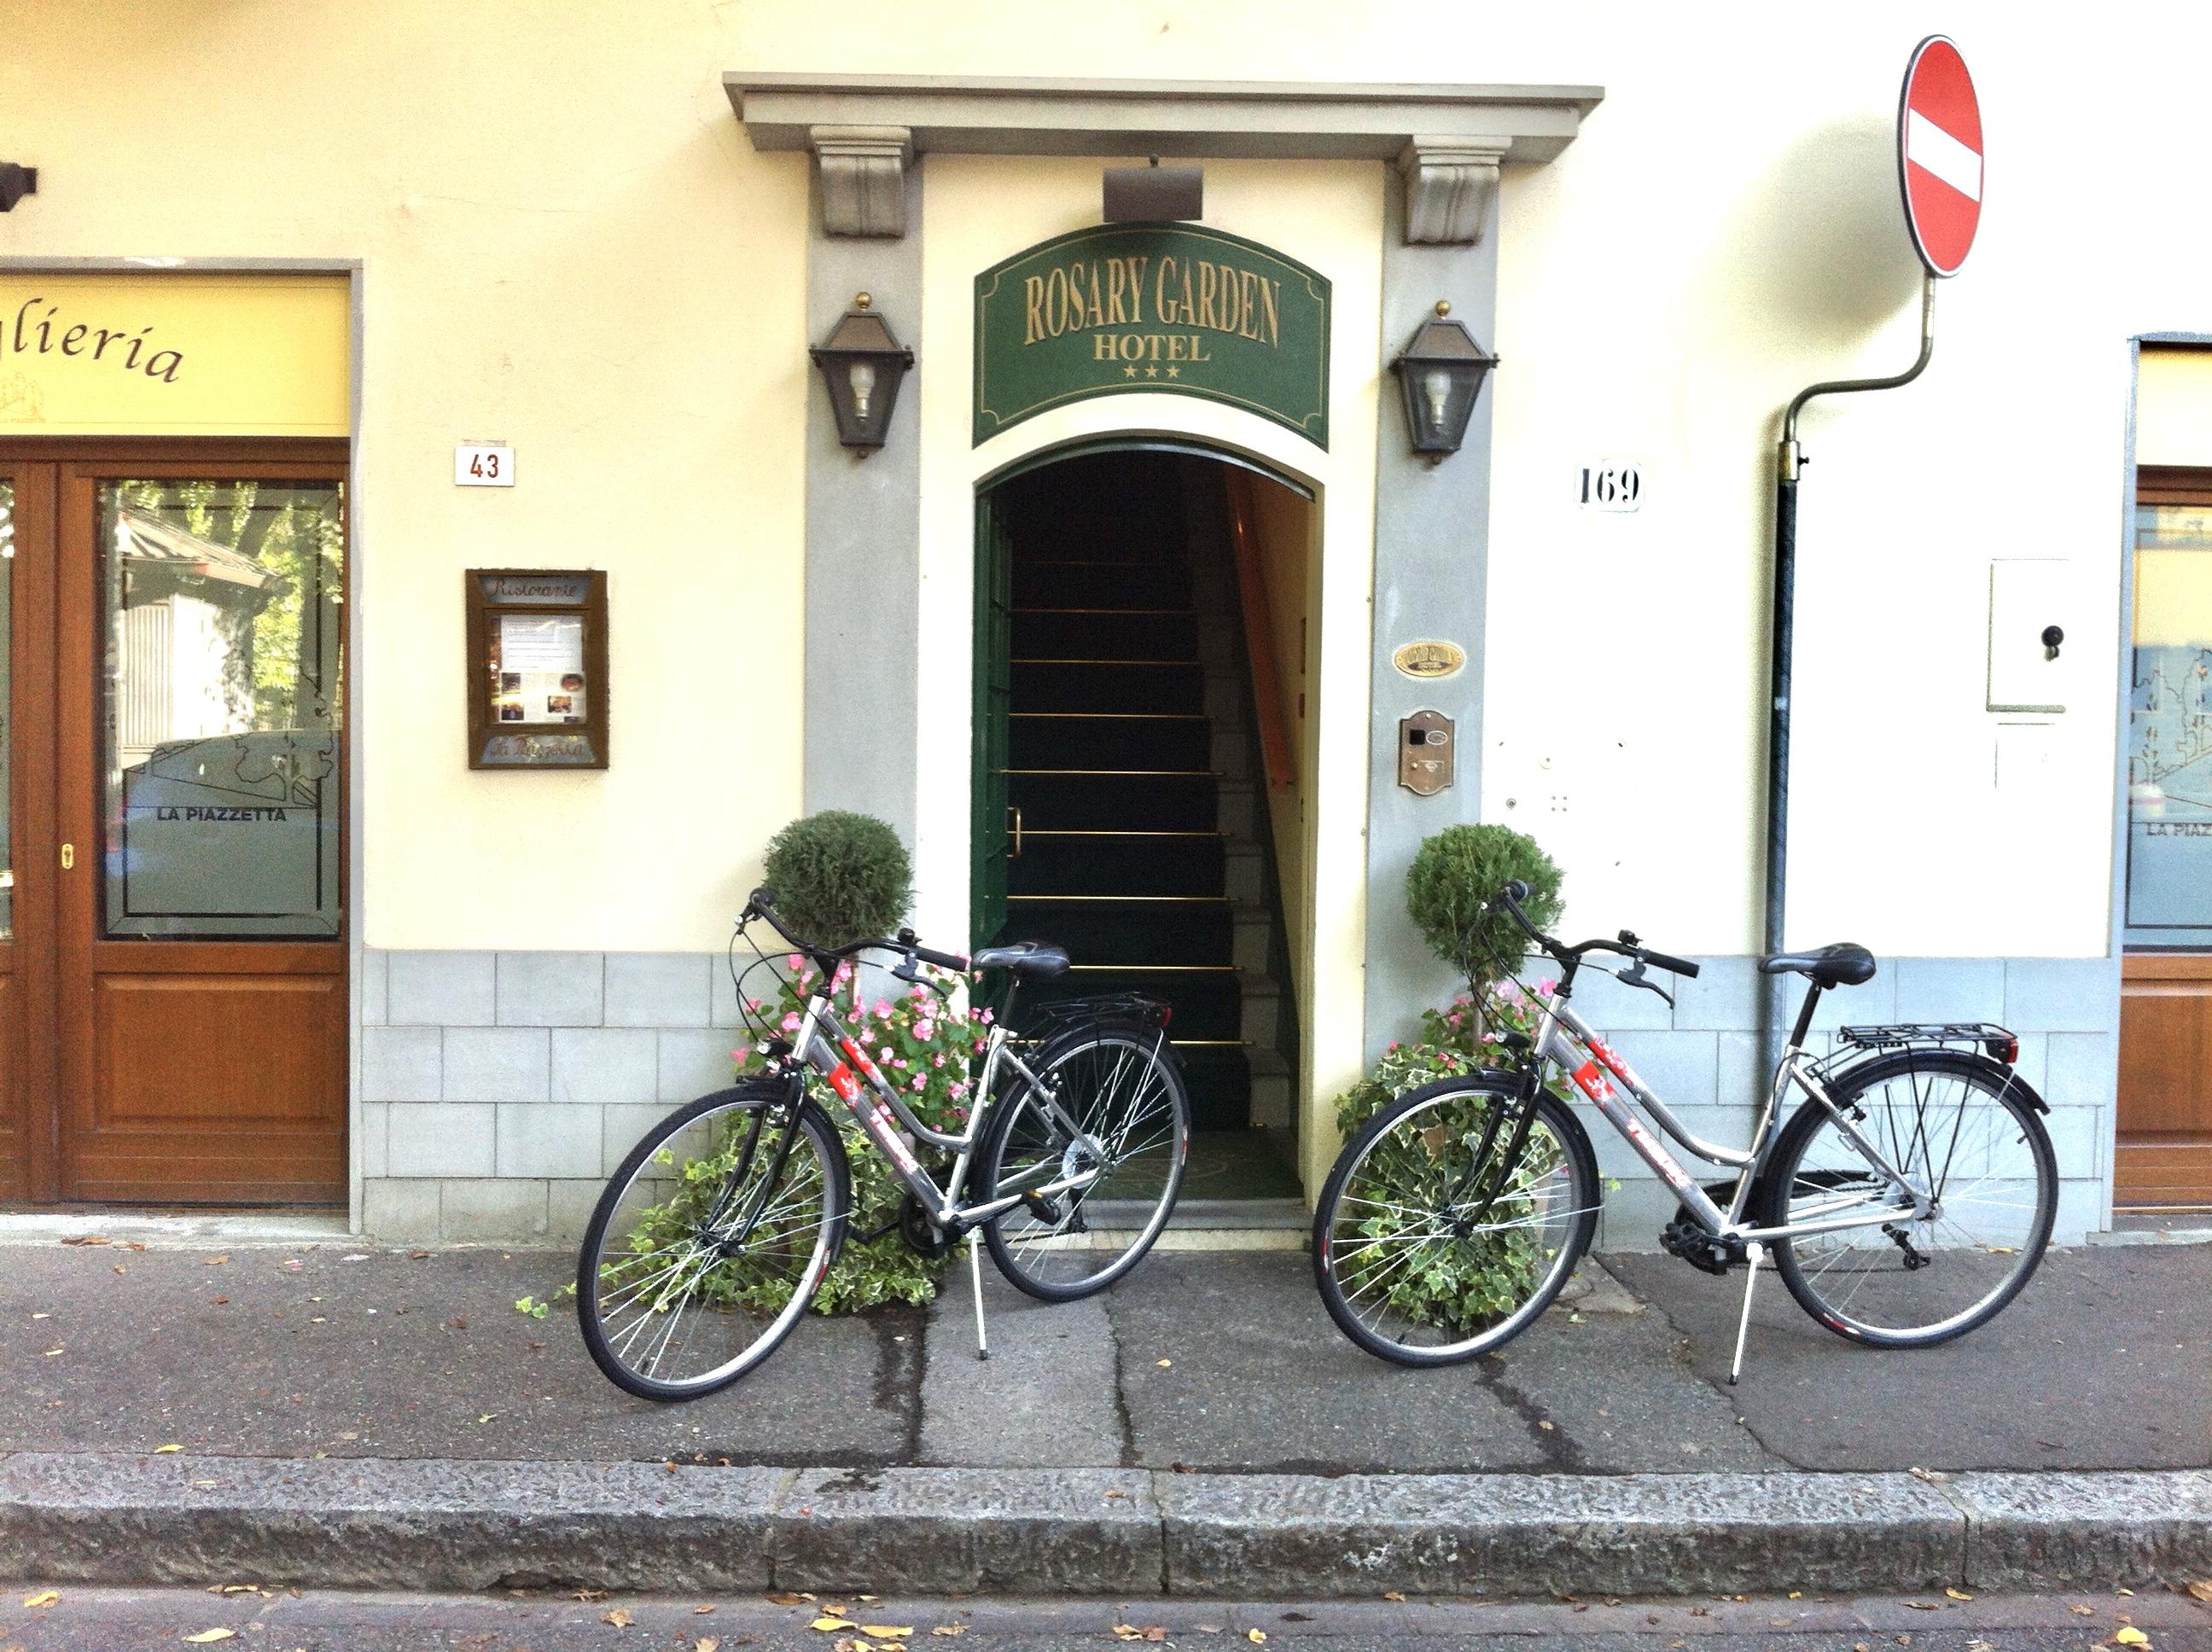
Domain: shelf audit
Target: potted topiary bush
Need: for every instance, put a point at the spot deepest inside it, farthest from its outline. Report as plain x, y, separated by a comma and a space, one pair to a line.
839, 877
1452, 891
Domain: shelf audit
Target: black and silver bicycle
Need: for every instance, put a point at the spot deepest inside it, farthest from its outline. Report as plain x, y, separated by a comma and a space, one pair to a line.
717, 1230
1906, 1201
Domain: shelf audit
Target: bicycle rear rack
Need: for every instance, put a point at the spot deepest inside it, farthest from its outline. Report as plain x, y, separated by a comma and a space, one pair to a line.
1997, 1043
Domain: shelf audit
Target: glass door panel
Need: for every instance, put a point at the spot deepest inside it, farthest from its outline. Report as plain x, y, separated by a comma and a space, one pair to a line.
2169, 881
223, 708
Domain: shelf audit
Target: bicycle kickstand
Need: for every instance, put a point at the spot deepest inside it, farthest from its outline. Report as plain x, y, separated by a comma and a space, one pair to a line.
1756, 1254
975, 1278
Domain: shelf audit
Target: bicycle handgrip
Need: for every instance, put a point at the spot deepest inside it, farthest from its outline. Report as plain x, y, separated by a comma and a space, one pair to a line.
951, 961
1672, 966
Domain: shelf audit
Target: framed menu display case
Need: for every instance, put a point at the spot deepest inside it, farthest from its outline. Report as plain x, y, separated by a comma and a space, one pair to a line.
538, 668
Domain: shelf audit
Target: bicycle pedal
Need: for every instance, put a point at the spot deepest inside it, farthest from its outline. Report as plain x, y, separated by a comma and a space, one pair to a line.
1042, 1209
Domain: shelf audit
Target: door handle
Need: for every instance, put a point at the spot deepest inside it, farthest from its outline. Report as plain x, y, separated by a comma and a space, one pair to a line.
1014, 822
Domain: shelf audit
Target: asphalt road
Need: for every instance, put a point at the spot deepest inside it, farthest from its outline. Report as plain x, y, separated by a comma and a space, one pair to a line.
126, 1620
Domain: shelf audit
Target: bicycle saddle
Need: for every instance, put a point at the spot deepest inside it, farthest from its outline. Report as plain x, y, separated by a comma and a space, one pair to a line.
1029, 960
1847, 963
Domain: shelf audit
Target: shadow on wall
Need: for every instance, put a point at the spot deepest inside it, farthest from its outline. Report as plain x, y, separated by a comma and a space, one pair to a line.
1820, 245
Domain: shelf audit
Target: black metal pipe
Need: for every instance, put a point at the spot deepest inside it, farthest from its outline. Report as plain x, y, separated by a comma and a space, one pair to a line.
1791, 460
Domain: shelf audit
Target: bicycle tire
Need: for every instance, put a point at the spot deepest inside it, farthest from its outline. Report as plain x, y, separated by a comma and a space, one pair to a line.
1393, 1153
756, 1295
1113, 1077
1853, 1281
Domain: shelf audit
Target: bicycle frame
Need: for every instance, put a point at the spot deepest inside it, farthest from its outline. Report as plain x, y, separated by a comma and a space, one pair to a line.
1564, 1039
825, 1044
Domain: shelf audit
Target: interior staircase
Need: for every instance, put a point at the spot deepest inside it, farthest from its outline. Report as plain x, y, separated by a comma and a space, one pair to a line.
1130, 763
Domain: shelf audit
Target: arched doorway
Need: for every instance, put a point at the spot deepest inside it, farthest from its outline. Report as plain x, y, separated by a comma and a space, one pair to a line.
1140, 707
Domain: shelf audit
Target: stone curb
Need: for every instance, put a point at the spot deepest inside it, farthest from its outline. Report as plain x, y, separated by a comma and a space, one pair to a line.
369, 1523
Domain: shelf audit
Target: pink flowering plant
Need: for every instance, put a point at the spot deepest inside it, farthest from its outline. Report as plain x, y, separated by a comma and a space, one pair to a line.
926, 1044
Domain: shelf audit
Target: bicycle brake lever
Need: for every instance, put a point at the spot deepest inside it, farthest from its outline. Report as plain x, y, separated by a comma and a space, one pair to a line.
1634, 976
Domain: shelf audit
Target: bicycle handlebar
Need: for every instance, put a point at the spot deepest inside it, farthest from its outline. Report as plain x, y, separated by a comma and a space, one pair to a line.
1628, 946
761, 904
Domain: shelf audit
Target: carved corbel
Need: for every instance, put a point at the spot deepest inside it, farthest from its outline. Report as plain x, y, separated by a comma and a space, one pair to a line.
1450, 184
863, 178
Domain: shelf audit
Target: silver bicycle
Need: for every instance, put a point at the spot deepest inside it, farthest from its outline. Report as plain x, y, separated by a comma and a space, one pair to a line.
717, 1230
1906, 1199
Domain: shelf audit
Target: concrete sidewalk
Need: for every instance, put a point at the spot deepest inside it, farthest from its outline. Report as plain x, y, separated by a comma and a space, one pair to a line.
1201, 1428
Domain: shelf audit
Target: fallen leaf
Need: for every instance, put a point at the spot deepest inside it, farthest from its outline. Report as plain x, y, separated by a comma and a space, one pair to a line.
418, 1255
825, 1624
208, 1635
885, 1632
1392, 1594
1163, 1363
1116, 1494
1923, 1605
618, 1617
700, 1612
2082, 1612
590, 1597
88, 1239
119, 1268
787, 1598
1256, 1636
42, 1316
1958, 1594
2202, 1588
867, 1597
51, 1352
1797, 1594
1547, 1426
217, 1261
43, 1598
235, 1589
164, 1450
707, 1643
1934, 1477
2131, 1636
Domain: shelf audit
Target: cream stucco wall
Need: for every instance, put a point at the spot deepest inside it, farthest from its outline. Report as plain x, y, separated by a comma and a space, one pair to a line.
567, 242
977, 210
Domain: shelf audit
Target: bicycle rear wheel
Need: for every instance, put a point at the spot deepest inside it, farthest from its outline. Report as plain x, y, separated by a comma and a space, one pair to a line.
1120, 1086
710, 1240
1962, 1129
1426, 1253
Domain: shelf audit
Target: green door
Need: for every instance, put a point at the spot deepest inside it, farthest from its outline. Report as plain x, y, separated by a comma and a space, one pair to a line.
989, 837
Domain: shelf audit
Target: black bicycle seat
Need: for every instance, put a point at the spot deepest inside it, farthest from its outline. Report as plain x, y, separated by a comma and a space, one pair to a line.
1847, 963
1029, 960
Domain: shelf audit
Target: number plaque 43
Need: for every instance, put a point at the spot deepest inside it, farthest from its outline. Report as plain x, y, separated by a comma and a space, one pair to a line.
478, 465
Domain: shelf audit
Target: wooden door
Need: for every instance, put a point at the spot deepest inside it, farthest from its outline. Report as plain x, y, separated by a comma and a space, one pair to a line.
28, 866
185, 956
2163, 1158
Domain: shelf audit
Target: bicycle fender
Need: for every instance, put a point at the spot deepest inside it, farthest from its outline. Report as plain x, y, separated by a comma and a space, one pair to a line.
1887, 1062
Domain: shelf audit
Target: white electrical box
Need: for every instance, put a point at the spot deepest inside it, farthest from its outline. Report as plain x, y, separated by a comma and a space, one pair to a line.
2032, 650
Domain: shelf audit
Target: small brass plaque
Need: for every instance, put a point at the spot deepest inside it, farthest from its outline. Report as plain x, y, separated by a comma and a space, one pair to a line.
1429, 659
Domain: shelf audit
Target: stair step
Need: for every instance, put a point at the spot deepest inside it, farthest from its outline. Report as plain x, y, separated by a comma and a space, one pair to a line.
1052, 801
1095, 740
1098, 863
1128, 930
1093, 685
1104, 634
1105, 584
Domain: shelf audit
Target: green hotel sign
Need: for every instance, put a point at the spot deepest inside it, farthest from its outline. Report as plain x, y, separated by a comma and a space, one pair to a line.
1174, 307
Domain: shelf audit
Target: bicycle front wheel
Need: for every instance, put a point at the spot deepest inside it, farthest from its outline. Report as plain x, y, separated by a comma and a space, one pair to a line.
1120, 1088
1437, 1241
1964, 1134
710, 1240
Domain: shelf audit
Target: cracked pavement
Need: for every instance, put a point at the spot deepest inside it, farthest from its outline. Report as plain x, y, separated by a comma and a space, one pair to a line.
1221, 1363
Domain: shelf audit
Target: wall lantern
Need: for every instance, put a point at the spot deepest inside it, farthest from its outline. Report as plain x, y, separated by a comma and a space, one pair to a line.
1441, 371
862, 363
15, 182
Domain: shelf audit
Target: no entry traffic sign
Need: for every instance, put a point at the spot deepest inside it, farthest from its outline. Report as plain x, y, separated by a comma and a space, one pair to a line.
1939, 155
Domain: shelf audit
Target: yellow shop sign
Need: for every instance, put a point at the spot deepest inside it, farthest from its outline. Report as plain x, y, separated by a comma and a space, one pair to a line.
173, 355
